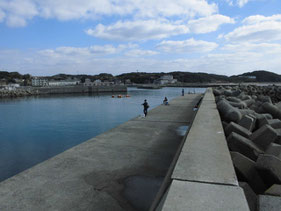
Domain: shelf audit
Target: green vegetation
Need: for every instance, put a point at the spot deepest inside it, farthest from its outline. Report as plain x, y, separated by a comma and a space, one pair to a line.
146, 78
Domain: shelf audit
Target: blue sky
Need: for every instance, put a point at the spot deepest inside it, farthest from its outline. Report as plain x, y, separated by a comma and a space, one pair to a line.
118, 36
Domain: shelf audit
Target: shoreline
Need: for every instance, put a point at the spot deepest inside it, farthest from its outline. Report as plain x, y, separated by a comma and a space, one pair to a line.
35, 91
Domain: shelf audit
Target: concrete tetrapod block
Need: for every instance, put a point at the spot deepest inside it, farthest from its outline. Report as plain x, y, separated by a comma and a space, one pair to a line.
184, 195
269, 203
273, 110
251, 197
278, 105
274, 123
248, 122
274, 190
264, 136
270, 166
229, 112
278, 139
238, 105
233, 127
274, 149
244, 146
261, 117
246, 171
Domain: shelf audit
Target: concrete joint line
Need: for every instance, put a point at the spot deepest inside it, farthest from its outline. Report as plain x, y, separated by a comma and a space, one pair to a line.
210, 183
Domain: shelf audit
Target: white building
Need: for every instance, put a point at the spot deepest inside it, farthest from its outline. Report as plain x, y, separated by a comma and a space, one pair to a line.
11, 87
37, 81
97, 83
165, 79
64, 82
88, 82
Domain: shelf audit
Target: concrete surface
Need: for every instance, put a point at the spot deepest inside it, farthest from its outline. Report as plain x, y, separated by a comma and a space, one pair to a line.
205, 156
274, 190
94, 175
204, 176
269, 203
195, 196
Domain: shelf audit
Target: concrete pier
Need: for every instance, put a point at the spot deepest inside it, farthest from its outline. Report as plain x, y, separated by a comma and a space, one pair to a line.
121, 169
203, 177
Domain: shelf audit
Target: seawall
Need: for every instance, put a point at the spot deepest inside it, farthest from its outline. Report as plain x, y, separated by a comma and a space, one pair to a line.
203, 176
29, 91
79, 89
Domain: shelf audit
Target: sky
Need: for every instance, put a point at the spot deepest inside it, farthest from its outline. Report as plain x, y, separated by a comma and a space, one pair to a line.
228, 37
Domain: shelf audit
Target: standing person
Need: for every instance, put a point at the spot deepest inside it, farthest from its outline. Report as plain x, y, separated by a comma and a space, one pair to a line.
182, 92
145, 107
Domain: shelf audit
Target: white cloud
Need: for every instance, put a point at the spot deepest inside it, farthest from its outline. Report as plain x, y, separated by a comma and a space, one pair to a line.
187, 46
140, 53
255, 19
2, 15
257, 28
265, 48
23, 10
208, 24
63, 60
17, 12
168, 8
138, 30
239, 3
86, 52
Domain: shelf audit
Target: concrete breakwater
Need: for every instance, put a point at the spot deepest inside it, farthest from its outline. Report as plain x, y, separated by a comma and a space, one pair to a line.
120, 169
251, 118
202, 176
28, 91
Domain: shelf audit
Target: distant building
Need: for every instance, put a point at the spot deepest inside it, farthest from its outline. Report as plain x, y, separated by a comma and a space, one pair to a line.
3, 82
39, 81
19, 81
251, 77
97, 83
128, 81
88, 82
69, 82
248, 77
118, 82
165, 79
11, 87
107, 83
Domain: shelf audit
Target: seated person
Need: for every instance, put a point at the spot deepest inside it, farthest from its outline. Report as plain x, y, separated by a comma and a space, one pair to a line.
165, 101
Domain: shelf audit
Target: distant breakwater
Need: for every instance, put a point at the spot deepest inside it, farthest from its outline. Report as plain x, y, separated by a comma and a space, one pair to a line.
30, 91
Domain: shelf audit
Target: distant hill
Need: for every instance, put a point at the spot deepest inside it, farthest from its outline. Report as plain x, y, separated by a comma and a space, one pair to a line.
263, 76
11, 76
143, 77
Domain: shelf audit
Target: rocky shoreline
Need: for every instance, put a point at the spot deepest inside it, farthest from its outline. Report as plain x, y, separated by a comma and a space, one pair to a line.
251, 117
31, 91
16, 93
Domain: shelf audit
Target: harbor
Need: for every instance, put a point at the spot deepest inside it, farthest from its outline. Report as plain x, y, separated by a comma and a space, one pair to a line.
104, 172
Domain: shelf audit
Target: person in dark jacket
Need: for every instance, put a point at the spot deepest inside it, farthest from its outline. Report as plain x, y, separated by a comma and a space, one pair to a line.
165, 101
145, 107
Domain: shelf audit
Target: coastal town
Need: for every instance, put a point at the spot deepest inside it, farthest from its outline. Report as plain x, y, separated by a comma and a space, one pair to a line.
14, 84
32, 85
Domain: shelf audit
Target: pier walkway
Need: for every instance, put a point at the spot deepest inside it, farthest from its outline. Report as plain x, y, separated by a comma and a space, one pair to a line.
121, 169
203, 176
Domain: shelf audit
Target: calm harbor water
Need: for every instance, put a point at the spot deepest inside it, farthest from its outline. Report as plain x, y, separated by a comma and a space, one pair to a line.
34, 129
